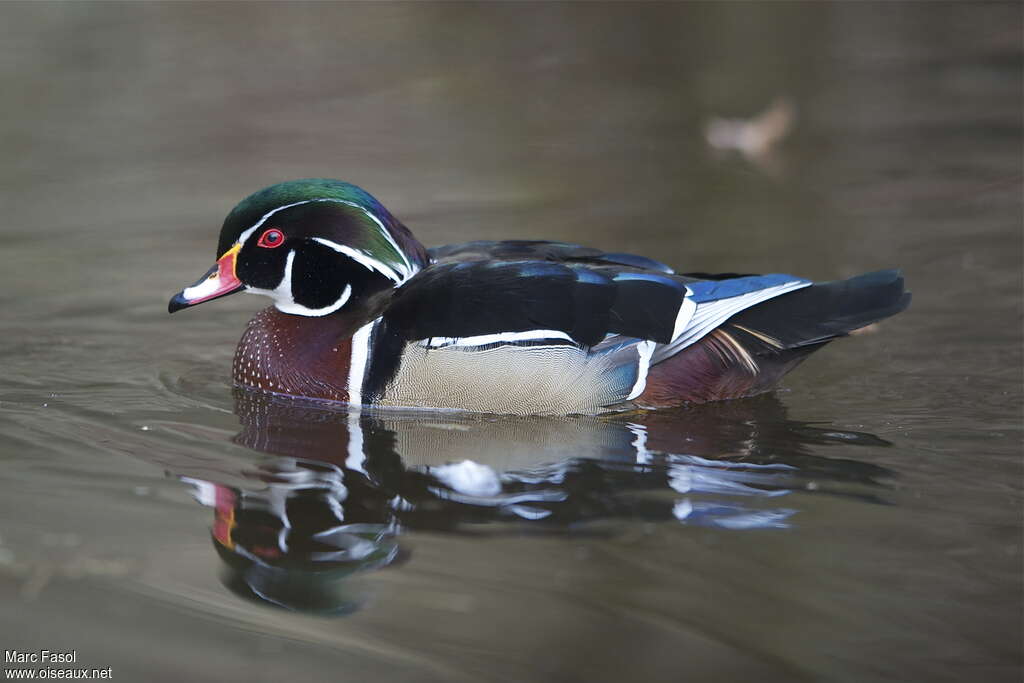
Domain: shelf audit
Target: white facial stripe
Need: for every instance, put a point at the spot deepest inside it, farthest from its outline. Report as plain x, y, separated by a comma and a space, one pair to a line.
248, 233
407, 269
282, 294
358, 361
644, 350
362, 258
202, 290
284, 302
484, 339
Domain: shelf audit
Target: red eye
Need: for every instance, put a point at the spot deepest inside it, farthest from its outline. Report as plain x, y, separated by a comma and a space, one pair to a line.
271, 238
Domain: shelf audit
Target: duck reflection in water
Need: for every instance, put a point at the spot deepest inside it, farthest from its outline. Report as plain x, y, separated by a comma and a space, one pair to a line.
341, 486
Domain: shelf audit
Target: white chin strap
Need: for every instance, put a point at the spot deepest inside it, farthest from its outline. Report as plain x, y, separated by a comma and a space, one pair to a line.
285, 302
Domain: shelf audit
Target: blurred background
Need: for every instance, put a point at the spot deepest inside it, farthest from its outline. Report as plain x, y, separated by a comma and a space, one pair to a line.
821, 140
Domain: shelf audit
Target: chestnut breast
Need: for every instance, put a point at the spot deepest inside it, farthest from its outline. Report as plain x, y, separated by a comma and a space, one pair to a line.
295, 355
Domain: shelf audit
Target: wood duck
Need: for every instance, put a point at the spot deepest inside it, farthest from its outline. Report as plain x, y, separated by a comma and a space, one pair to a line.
365, 314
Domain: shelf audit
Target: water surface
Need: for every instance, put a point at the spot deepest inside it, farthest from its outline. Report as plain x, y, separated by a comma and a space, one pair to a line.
862, 523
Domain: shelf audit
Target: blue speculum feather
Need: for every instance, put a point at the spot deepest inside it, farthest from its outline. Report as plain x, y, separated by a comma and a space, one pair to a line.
707, 291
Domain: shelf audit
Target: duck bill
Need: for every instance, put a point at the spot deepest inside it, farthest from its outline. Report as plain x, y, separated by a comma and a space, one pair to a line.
219, 281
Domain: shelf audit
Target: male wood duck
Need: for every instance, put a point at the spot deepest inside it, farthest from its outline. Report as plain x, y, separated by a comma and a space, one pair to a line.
365, 314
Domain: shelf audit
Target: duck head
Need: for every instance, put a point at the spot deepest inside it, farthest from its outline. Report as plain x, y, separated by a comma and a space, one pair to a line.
315, 246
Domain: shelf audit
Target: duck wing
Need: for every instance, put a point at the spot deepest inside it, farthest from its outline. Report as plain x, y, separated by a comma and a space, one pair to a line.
617, 314
540, 250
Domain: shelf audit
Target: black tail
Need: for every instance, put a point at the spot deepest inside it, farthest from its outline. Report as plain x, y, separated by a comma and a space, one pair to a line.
824, 311
751, 351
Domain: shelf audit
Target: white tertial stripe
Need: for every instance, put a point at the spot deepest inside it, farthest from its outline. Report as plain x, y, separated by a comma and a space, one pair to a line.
498, 338
686, 310
363, 259
708, 316
285, 302
358, 361
644, 350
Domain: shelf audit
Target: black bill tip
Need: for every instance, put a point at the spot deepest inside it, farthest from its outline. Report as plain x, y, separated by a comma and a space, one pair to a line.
177, 302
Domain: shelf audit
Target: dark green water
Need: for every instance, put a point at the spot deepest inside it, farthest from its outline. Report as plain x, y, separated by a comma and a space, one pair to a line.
864, 523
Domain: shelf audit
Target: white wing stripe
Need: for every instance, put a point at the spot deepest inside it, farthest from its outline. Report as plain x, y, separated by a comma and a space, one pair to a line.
686, 310
710, 315
484, 339
362, 258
